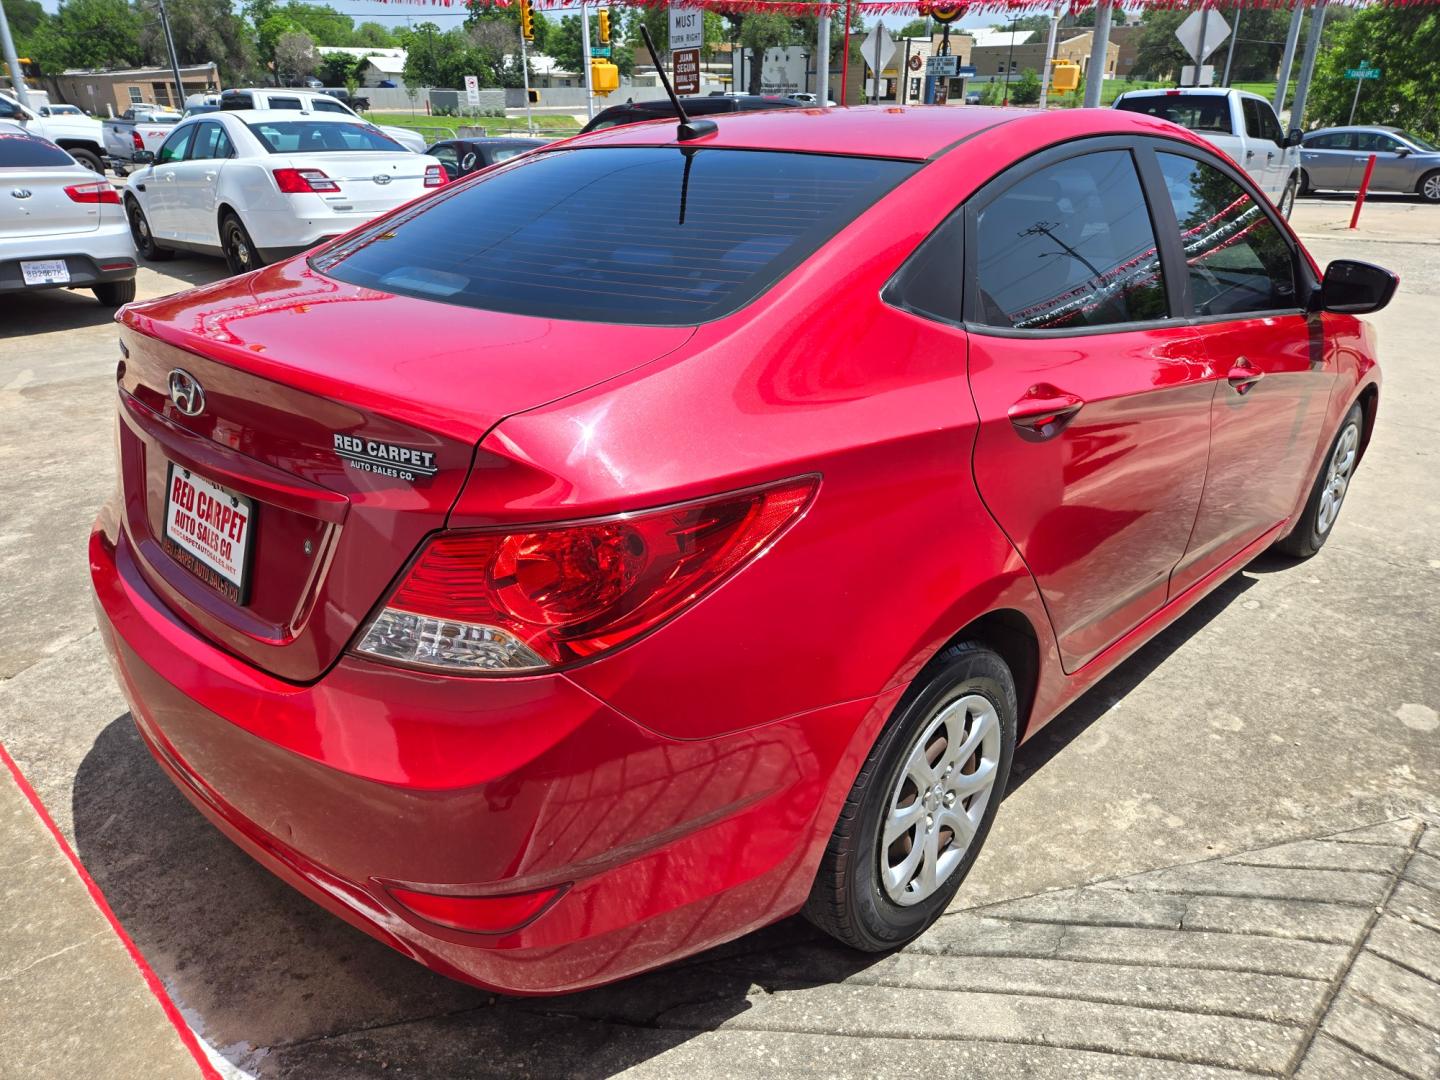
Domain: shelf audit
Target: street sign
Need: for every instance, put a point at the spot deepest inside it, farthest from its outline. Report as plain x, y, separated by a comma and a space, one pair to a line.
687, 28
685, 70
943, 66
878, 49
472, 89
1207, 75
1364, 71
1215, 28
600, 50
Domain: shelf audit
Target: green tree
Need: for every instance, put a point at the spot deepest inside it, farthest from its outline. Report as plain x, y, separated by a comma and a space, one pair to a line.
1026, 89
374, 35
915, 28
88, 34
1403, 43
1160, 54
760, 31
203, 30
341, 69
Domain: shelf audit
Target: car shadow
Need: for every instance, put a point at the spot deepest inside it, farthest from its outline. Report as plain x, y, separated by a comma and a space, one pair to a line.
279, 987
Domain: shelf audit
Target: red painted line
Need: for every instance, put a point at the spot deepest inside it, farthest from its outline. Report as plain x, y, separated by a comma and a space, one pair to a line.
152, 980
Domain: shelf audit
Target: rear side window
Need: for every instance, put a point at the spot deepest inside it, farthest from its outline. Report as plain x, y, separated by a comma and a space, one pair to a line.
287, 103
1334, 140
324, 104
1200, 112
1238, 260
1069, 246
651, 235
21, 151
320, 137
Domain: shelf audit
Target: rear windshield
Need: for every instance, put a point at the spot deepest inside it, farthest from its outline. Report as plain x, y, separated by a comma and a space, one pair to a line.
653, 235
1198, 112
319, 137
21, 151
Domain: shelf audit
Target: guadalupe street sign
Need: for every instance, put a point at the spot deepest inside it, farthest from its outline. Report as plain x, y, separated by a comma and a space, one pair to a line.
1364, 71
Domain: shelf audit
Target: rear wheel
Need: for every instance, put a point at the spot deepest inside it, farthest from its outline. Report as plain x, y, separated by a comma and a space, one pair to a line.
240, 254
1305, 188
140, 232
921, 805
115, 293
88, 158
1429, 186
1328, 494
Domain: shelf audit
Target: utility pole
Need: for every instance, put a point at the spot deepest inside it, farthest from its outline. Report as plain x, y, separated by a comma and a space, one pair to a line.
1307, 67
17, 77
1099, 53
1234, 37
174, 62
1049, 56
1292, 38
1204, 28
585, 50
822, 56
525, 75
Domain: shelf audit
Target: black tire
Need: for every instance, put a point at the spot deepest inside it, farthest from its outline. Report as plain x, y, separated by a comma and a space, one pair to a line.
1314, 528
88, 158
241, 255
1287, 198
848, 899
115, 293
1429, 187
140, 232
1305, 188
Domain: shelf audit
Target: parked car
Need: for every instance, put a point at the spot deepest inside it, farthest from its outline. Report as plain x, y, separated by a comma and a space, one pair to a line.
634, 112
79, 136
310, 101
258, 186
811, 100
136, 129
61, 226
356, 101
1238, 122
461, 157
60, 110
1334, 159
555, 582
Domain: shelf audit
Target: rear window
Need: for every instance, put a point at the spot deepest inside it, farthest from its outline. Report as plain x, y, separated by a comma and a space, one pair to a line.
319, 137
652, 235
21, 151
1198, 112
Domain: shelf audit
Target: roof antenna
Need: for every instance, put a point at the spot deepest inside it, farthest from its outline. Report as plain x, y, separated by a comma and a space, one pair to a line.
689, 129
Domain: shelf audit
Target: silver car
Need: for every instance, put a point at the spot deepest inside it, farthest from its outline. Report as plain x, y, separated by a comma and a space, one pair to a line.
1333, 159
61, 226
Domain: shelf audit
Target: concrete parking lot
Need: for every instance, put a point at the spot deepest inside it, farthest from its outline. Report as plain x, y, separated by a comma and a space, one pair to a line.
1225, 860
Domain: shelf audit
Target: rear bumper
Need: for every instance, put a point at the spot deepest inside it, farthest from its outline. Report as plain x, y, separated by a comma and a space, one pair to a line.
376, 776
85, 271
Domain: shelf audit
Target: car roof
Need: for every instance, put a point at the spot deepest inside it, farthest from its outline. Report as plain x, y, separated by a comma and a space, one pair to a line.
1359, 127
1197, 91
257, 115
916, 132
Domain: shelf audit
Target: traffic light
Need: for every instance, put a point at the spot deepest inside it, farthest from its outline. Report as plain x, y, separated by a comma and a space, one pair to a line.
527, 21
604, 77
604, 16
1065, 76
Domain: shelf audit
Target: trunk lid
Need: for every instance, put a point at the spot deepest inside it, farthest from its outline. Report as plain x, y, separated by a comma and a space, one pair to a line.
46, 210
370, 183
345, 419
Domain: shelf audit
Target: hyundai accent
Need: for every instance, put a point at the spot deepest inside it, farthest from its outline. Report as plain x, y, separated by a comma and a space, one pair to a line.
650, 538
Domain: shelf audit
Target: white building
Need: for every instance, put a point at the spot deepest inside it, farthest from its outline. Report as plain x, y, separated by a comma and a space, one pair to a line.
382, 65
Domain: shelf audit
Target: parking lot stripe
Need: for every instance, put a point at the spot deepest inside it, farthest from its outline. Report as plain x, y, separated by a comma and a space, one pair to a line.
172, 1012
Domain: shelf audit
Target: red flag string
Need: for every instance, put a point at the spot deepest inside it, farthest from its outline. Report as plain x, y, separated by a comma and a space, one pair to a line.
918, 8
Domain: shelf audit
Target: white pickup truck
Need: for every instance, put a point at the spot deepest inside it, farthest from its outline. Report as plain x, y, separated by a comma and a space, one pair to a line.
80, 136
139, 128
1240, 123
308, 101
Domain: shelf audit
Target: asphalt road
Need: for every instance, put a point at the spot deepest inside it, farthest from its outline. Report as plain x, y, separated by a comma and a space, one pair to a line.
1298, 701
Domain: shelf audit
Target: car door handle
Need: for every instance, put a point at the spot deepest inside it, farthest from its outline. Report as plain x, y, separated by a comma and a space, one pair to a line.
209, 176
1043, 406
1249, 154
1243, 375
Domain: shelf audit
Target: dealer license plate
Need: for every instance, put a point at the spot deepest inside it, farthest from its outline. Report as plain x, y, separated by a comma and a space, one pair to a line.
208, 530
45, 272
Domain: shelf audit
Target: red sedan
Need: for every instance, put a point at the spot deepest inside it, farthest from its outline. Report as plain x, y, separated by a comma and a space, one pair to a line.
647, 540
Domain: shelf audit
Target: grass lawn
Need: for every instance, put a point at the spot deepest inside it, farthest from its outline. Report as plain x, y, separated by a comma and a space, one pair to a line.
443, 126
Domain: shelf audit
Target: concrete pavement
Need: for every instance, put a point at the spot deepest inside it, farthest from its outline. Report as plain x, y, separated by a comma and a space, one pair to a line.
1106, 930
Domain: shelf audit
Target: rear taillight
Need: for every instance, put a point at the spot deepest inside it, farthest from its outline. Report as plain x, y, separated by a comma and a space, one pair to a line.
99, 192
435, 176
303, 181
135, 138
497, 602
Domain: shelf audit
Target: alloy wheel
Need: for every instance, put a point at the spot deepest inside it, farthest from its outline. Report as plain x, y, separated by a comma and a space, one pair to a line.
1431, 187
939, 800
1337, 478
238, 250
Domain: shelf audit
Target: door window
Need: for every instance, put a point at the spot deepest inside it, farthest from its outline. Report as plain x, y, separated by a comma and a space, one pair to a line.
1069, 246
1334, 140
284, 103
210, 142
1260, 122
1375, 142
447, 157
1239, 260
173, 149
324, 104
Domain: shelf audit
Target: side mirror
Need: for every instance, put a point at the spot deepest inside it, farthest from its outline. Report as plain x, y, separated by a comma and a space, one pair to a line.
1294, 137
1356, 288
143, 157
1403, 151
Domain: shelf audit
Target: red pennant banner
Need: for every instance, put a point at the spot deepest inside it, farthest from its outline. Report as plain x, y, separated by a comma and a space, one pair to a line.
919, 8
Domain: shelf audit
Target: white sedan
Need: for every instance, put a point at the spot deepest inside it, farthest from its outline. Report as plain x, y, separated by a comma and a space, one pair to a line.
61, 226
259, 186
